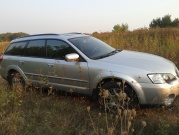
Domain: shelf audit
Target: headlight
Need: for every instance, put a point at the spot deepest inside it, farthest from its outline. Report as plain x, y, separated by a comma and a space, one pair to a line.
161, 78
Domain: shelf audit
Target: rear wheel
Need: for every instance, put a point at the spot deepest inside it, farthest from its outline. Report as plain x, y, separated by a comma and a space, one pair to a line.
115, 95
16, 80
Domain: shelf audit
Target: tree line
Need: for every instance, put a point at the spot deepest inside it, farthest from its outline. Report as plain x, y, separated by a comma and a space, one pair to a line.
163, 22
10, 36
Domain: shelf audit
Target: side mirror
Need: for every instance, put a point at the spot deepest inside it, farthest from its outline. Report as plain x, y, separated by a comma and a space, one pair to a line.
72, 57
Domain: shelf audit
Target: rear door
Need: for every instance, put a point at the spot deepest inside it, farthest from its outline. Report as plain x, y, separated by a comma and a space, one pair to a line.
32, 61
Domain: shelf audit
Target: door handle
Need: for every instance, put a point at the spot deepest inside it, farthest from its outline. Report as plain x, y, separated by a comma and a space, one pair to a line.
21, 62
50, 65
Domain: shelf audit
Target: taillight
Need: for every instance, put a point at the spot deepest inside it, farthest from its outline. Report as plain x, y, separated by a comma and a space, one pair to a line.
1, 58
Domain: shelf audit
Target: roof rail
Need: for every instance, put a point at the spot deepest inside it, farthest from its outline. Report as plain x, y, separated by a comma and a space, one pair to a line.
73, 33
38, 35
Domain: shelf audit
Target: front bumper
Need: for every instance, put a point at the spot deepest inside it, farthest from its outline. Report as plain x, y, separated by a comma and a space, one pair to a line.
161, 94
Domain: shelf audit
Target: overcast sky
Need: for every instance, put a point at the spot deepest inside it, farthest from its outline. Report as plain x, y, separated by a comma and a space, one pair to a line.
86, 16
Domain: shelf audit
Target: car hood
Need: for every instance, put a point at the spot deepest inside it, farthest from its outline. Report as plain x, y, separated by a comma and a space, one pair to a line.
139, 60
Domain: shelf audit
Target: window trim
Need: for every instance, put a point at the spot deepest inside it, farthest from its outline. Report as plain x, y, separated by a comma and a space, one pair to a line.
22, 54
28, 41
81, 59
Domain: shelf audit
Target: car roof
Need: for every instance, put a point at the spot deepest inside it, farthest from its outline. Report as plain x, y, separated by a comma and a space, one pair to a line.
65, 36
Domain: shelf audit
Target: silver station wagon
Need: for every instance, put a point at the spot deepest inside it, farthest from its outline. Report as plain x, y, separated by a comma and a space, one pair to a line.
84, 64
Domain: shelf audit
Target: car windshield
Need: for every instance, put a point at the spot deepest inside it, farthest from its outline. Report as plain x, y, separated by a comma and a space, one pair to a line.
92, 47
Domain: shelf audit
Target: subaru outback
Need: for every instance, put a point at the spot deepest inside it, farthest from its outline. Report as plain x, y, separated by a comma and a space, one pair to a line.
85, 65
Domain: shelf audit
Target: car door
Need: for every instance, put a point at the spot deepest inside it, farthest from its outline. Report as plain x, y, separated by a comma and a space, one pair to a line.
65, 75
32, 61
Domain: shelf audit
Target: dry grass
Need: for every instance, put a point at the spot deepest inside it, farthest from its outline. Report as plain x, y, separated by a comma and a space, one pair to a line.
163, 42
3, 46
35, 112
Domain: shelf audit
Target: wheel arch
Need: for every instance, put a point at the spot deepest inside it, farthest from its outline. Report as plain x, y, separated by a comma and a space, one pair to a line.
104, 80
12, 69
117, 79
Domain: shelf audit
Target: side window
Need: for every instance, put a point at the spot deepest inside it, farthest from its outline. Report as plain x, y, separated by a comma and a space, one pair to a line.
57, 49
35, 48
15, 48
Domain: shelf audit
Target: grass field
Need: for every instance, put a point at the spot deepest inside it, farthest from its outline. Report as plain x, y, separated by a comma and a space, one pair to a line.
163, 42
34, 112
3, 46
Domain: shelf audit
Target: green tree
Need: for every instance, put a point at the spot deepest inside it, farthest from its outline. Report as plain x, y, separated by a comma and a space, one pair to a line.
164, 22
10, 36
175, 22
120, 28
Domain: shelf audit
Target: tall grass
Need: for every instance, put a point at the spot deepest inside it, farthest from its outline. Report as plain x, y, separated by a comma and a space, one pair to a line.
163, 42
3, 46
33, 112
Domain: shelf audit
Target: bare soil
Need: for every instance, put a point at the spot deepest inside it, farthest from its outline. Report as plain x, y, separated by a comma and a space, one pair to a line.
2, 81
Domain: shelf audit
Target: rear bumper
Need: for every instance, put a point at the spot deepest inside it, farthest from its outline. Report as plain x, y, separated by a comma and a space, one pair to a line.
162, 94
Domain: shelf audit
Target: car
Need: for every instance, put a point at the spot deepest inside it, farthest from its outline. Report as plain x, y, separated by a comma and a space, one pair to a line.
84, 64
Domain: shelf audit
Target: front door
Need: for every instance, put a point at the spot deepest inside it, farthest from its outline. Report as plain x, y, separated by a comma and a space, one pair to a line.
72, 76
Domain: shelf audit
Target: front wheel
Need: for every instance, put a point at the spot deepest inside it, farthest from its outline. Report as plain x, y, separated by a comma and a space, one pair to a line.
115, 95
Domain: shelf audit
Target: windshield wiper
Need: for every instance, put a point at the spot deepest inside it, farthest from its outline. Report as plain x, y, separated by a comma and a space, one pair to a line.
113, 52
106, 55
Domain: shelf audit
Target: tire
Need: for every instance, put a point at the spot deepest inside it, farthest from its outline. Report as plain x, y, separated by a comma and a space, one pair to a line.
16, 80
112, 102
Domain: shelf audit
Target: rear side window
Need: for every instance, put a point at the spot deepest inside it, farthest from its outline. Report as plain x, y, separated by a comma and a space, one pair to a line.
35, 48
15, 48
57, 49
